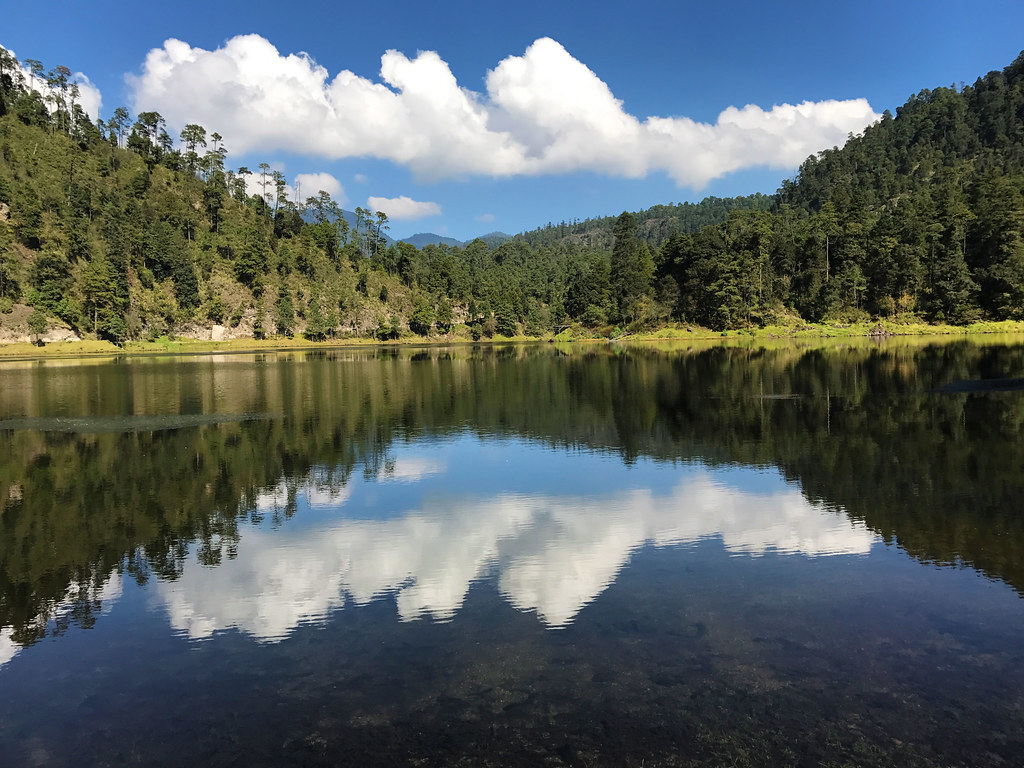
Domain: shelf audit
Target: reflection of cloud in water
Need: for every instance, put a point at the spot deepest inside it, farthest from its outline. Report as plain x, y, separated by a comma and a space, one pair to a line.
318, 495
411, 470
551, 554
8, 648
105, 596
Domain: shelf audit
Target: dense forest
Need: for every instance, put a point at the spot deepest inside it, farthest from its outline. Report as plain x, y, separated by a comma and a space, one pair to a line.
115, 229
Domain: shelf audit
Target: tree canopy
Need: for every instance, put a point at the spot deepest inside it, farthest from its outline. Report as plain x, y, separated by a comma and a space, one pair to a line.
116, 230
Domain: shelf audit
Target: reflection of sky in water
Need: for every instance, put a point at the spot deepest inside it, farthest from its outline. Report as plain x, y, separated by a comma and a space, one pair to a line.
104, 596
553, 528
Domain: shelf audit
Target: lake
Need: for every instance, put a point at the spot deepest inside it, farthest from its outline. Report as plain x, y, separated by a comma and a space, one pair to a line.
519, 556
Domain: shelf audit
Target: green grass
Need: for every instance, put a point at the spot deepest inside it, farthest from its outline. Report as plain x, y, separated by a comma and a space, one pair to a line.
803, 330
773, 335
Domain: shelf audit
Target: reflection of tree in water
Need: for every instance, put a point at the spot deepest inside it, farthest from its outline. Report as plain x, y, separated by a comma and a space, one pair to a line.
940, 474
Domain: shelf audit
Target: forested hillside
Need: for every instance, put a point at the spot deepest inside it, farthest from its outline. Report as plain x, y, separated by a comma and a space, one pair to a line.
119, 230
654, 225
922, 214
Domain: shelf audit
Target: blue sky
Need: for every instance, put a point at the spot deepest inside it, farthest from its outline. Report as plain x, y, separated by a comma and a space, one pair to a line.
560, 127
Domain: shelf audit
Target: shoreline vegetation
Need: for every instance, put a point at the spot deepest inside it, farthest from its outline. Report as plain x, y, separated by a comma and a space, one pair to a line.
767, 336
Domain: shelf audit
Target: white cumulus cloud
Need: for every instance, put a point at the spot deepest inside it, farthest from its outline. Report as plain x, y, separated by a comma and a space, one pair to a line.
302, 187
403, 208
310, 185
543, 112
89, 97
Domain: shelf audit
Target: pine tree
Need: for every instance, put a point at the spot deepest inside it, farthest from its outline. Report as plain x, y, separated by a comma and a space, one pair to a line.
632, 269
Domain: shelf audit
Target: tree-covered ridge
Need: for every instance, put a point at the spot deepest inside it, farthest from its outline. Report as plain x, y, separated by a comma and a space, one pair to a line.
654, 224
928, 204
921, 215
121, 231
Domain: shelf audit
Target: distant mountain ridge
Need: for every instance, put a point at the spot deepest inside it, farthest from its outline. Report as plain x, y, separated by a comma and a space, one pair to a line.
654, 224
421, 239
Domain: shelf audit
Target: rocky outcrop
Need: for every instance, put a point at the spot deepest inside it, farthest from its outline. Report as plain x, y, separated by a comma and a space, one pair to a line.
14, 328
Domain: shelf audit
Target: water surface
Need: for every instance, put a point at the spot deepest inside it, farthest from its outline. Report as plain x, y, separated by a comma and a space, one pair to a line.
515, 556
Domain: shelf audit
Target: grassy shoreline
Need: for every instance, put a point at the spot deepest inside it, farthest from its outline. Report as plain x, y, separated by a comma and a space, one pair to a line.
802, 332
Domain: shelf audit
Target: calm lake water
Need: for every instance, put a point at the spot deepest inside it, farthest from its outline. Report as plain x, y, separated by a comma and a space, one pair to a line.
531, 556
